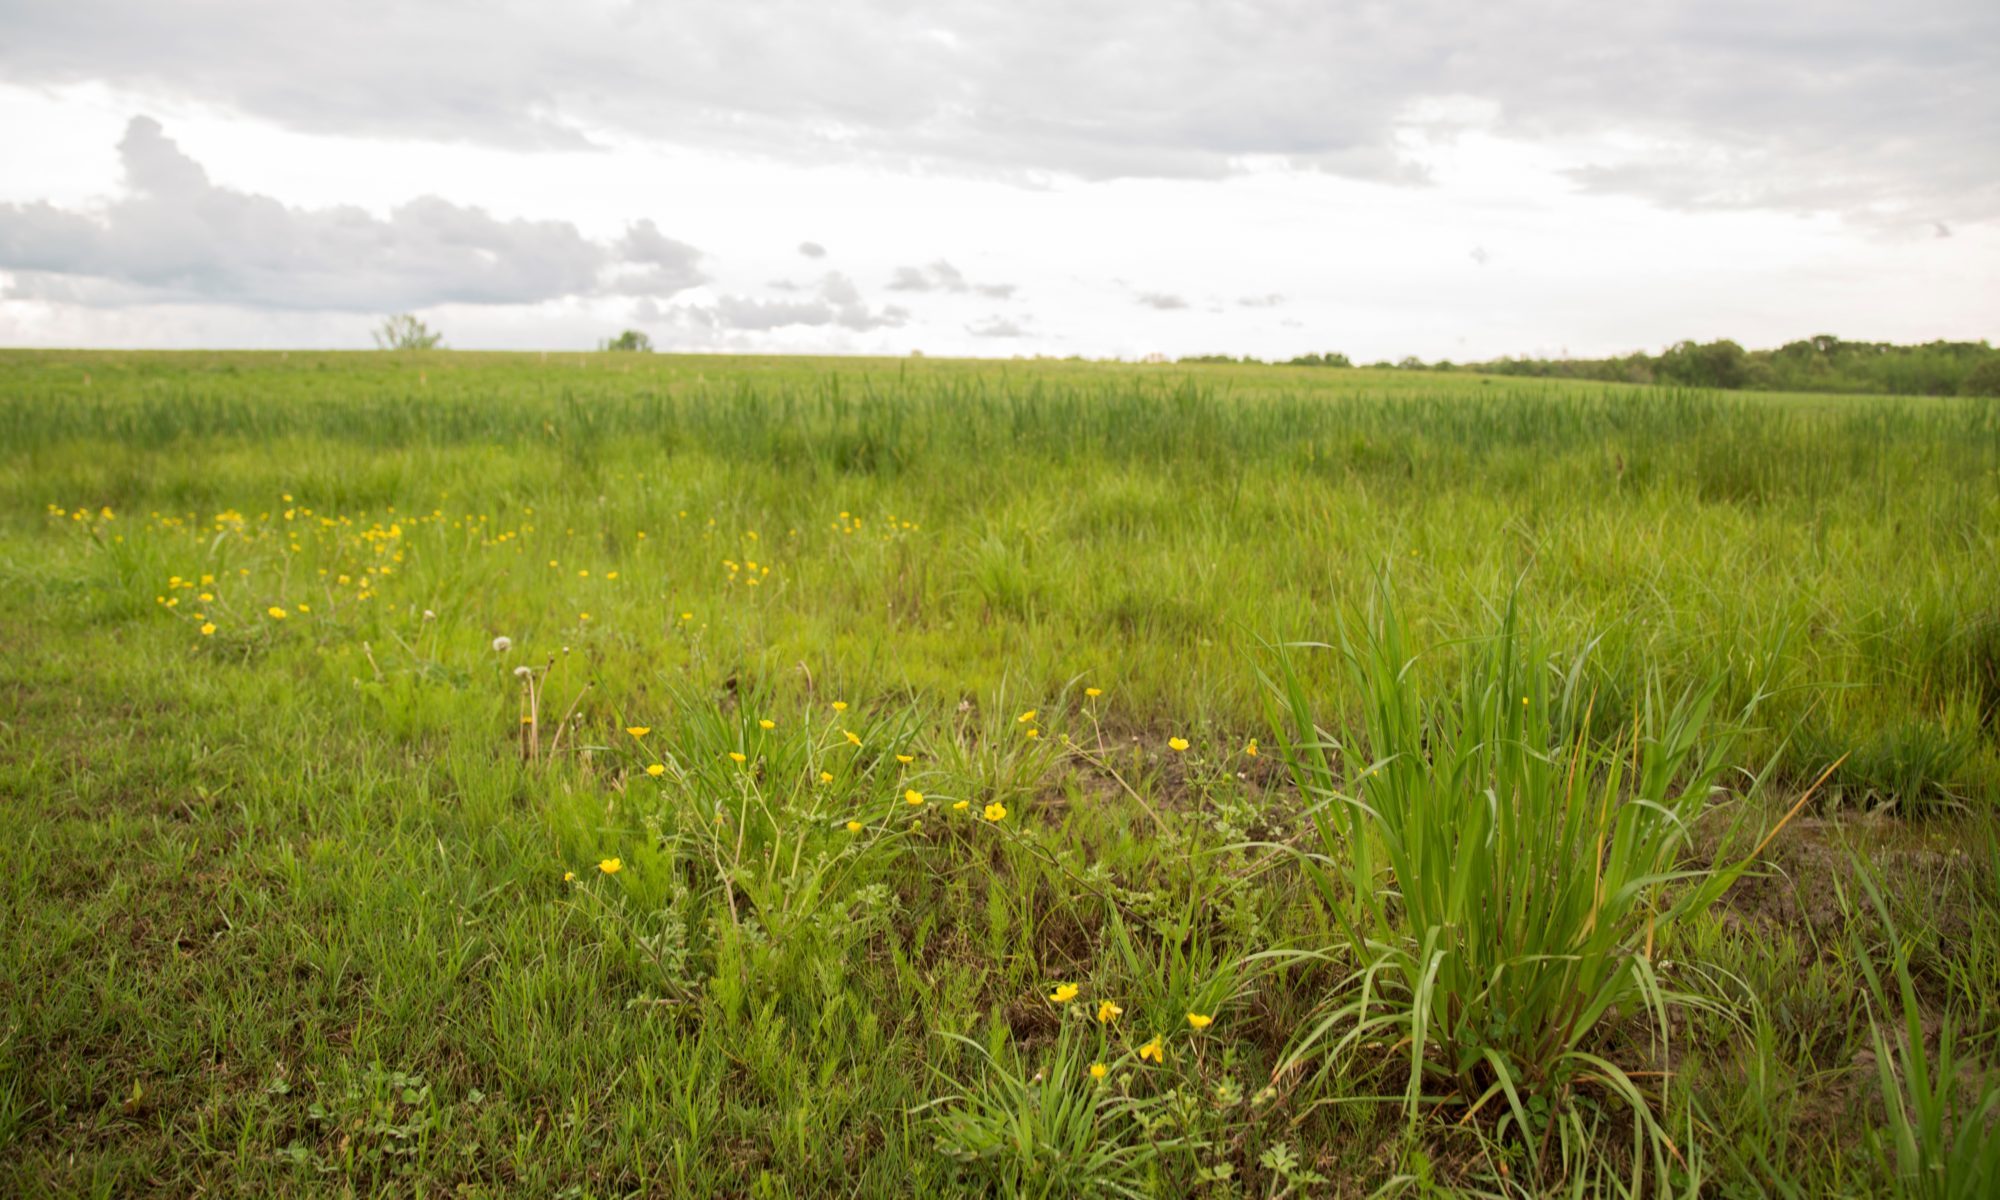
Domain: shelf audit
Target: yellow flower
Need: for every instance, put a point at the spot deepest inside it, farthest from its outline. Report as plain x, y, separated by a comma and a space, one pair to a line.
1200, 1020
1094, 693
826, 776
1251, 749
687, 616
569, 876
304, 608
1064, 993
854, 827
1177, 744
611, 866
840, 706
1108, 1012
853, 738
996, 811
961, 806
208, 630
913, 797
657, 770
277, 614
906, 759
1098, 1071
1025, 717
736, 756
1153, 1050
1034, 733
767, 723
638, 730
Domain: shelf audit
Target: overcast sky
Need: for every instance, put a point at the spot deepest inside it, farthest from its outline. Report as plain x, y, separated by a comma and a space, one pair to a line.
1449, 180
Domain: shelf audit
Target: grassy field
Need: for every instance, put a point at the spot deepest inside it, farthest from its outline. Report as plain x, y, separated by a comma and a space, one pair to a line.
609, 775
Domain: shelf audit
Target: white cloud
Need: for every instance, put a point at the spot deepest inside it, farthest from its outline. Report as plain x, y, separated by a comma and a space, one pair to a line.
174, 236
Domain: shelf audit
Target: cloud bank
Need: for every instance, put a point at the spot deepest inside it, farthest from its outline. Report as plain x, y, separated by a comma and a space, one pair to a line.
176, 237
1805, 104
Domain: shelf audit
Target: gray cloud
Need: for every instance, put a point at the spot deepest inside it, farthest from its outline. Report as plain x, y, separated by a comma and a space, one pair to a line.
1267, 300
837, 302
997, 327
176, 237
812, 249
1811, 104
941, 276
1165, 301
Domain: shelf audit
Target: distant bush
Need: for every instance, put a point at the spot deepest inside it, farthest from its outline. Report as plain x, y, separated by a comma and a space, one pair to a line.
404, 331
1982, 380
631, 341
1329, 359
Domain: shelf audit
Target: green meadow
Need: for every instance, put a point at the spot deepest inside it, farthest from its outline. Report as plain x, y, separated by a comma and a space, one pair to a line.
619, 775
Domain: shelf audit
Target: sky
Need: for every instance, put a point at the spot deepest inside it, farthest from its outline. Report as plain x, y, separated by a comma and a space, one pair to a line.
1105, 178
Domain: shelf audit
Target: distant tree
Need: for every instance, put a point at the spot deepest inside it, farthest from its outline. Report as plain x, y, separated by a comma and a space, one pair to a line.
631, 340
1982, 380
1329, 359
405, 332
1719, 364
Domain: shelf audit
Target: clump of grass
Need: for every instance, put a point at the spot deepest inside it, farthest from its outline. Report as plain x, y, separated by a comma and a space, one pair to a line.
1056, 1131
1499, 878
1939, 1140
1912, 765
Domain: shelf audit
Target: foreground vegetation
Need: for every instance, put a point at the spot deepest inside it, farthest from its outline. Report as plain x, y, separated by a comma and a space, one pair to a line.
619, 774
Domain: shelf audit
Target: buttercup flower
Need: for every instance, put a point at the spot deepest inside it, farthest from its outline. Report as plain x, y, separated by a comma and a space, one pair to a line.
854, 827
737, 756
913, 797
1108, 1012
1093, 693
638, 730
657, 770
1153, 1050
611, 866
906, 759
840, 706
995, 811
767, 723
961, 806
1177, 744
208, 630
1200, 1020
1098, 1071
1251, 749
853, 738
1064, 993
1025, 717
569, 876
277, 614
826, 776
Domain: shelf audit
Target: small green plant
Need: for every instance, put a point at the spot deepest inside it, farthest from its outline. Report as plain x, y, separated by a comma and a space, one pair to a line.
1942, 1104
1059, 1130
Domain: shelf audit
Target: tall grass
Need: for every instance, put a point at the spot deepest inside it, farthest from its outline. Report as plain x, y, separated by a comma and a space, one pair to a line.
1500, 877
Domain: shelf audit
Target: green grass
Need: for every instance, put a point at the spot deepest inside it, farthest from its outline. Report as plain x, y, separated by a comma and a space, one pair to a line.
288, 904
